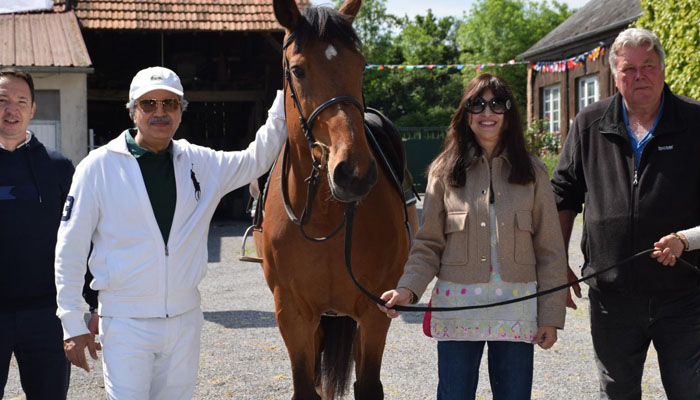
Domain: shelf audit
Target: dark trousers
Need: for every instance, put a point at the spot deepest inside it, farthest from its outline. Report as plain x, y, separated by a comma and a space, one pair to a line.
509, 363
36, 338
622, 328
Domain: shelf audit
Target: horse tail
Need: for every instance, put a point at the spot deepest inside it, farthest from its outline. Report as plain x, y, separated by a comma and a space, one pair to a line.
336, 354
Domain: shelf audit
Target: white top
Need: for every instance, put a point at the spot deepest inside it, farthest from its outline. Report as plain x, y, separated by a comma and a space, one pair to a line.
136, 274
693, 236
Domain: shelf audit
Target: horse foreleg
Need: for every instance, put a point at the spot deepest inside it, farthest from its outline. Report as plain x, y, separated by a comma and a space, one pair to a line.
369, 347
302, 341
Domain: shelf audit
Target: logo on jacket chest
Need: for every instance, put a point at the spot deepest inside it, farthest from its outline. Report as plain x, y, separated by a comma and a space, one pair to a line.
665, 148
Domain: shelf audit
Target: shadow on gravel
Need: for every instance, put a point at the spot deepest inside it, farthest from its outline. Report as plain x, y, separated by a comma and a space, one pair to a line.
413, 317
219, 231
241, 319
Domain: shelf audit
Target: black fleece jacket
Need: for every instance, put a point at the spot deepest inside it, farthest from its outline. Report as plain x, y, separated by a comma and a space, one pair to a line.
34, 183
627, 210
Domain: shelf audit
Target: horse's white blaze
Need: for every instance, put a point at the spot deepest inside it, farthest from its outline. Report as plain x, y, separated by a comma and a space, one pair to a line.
331, 52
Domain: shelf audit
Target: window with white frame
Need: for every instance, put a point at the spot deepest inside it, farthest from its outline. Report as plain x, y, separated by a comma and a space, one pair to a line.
551, 109
46, 124
588, 91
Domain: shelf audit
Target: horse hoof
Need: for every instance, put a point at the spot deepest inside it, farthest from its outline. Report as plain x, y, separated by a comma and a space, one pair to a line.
368, 392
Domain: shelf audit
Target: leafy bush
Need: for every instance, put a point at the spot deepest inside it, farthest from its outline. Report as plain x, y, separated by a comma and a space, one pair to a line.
542, 143
539, 140
550, 160
675, 22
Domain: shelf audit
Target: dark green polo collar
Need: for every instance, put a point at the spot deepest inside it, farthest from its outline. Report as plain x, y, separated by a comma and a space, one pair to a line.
158, 174
138, 151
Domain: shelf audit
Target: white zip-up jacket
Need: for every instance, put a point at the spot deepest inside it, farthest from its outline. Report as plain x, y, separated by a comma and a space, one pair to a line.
137, 275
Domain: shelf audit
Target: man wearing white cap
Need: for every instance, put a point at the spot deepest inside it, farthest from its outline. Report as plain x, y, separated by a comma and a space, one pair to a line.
146, 201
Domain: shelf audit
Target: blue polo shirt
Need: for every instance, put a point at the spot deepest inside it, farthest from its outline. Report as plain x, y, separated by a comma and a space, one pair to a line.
638, 146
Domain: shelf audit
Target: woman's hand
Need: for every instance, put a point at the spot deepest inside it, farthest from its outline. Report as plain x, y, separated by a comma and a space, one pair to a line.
668, 249
401, 296
546, 337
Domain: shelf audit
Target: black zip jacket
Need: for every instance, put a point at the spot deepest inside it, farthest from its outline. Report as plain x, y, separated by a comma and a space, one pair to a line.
627, 210
34, 183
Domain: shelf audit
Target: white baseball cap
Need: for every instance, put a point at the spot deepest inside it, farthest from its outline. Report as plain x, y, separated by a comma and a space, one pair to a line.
154, 78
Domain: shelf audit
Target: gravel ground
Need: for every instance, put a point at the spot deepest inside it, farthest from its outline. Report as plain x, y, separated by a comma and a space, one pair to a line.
243, 356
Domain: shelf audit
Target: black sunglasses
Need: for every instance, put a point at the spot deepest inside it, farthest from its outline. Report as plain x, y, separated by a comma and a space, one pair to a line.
150, 105
498, 105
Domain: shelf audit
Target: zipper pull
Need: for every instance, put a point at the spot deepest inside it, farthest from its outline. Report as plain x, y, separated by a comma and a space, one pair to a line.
635, 181
166, 251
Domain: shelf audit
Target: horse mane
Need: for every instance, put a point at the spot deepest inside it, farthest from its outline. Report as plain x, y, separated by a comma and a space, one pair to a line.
324, 24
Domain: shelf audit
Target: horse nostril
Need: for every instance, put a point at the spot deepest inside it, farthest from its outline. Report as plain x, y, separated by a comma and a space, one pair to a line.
349, 186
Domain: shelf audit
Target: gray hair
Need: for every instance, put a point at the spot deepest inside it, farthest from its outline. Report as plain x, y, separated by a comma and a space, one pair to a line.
636, 37
131, 105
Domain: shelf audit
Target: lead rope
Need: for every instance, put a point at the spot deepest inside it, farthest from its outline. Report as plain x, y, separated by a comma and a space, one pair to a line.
349, 212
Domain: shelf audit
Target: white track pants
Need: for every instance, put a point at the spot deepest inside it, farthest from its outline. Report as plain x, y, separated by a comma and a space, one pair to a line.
151, 358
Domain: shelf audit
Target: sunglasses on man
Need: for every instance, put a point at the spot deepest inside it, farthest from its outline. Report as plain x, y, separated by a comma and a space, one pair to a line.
498, 105
150, 105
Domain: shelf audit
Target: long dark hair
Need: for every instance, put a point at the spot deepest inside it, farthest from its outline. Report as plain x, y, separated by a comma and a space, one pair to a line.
461, 148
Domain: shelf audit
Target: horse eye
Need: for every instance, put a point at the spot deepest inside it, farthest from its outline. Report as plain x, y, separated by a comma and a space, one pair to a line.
298, 72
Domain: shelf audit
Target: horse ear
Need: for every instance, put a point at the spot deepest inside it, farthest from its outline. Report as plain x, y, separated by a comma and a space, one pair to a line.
287, 13
350, 8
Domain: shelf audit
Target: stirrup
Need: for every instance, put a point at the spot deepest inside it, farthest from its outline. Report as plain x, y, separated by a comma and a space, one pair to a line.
243, 257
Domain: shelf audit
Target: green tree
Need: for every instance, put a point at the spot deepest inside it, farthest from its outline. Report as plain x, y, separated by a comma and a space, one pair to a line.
677, 24
498, 30
494, 31
419, 97
428, 40
414, 98
374, 26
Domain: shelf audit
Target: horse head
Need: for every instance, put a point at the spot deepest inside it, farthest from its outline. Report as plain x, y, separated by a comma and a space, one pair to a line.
323, 82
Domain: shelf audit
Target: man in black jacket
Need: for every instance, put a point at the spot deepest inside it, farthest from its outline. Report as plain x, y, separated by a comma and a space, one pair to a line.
34, 182
633, 160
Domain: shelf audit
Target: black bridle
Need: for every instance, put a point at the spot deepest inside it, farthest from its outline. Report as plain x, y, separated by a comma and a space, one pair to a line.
318, 164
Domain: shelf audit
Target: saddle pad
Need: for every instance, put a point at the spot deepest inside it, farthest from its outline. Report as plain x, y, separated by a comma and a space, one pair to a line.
389, 140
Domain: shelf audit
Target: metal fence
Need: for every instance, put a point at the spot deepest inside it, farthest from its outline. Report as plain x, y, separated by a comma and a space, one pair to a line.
422, 145
425, 132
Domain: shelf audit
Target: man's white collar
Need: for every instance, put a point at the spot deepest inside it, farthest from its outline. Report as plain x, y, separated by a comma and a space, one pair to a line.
29, 137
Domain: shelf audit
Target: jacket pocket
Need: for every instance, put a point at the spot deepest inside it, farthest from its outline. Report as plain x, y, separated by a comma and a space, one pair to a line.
456, 230
132, 278
524, 249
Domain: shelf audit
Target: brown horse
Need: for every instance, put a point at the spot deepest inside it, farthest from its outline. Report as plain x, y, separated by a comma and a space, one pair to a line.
308, 278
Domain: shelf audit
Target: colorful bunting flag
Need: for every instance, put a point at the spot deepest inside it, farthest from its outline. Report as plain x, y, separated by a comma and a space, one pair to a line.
570, 63
542, 66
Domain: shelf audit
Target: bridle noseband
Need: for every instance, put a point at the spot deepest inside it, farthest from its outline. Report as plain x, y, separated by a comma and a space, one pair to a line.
319, 163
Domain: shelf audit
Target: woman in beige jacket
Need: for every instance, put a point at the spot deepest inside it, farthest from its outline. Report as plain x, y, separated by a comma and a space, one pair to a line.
490, 233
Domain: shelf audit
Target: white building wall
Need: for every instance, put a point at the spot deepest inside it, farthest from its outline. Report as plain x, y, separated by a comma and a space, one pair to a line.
73, 93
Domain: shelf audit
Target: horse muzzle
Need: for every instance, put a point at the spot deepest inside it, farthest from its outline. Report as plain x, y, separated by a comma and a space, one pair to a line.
346, 183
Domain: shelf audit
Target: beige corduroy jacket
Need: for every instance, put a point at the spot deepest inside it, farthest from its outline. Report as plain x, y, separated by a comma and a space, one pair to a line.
453, 241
